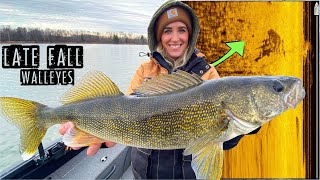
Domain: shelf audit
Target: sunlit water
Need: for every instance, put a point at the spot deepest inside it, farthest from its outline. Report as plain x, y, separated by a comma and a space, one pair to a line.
119, 62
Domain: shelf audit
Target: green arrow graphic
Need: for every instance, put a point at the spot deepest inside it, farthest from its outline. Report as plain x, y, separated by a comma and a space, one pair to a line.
235, 47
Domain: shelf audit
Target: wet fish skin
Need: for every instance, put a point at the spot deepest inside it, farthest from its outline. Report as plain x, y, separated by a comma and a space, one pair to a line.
139, 121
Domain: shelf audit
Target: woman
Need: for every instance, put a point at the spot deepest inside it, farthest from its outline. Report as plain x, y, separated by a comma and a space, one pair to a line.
172, 33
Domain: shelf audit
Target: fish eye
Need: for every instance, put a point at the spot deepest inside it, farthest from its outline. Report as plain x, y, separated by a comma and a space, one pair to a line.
277, 86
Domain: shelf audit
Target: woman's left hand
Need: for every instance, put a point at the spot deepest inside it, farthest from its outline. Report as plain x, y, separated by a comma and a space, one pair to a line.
92, 149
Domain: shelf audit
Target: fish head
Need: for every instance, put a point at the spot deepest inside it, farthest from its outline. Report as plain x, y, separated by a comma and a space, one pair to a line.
276, 94
258, 99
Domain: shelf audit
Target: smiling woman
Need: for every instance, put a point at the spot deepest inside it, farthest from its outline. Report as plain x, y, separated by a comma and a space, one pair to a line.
174, 40
172, 37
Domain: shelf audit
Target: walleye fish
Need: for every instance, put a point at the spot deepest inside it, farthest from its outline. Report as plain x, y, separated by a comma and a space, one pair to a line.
173, 111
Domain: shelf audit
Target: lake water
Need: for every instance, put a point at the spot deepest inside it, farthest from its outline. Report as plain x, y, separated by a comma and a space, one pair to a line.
118, 62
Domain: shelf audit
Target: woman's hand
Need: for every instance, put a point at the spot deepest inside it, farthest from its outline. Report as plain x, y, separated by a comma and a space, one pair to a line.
93, 149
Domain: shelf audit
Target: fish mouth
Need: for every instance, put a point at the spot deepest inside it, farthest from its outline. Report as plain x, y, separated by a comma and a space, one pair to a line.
297, 94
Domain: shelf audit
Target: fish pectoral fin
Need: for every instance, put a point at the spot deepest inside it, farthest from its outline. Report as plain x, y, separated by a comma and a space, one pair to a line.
210, 137
94, 84
75, 137
207, 163
197, 145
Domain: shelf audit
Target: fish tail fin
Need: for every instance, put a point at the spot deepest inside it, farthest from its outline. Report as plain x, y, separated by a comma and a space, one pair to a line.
24, 115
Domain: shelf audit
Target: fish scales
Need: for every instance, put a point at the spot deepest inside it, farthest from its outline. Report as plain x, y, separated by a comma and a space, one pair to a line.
164, 122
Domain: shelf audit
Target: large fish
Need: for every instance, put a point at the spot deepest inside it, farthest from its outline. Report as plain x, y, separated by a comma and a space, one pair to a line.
173, 111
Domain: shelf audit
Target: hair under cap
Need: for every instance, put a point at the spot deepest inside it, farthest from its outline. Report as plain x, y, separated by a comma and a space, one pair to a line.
173, 14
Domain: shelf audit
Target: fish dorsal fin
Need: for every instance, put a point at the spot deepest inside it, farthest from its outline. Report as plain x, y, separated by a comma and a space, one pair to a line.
166, 84
94, 84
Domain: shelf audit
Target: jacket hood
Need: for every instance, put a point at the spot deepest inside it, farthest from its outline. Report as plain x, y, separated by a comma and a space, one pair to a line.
152, 40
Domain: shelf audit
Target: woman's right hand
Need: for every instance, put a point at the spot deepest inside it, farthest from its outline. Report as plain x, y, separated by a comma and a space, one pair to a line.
93, 149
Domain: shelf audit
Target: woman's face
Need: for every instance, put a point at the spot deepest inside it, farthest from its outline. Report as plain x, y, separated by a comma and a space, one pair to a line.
175, 38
